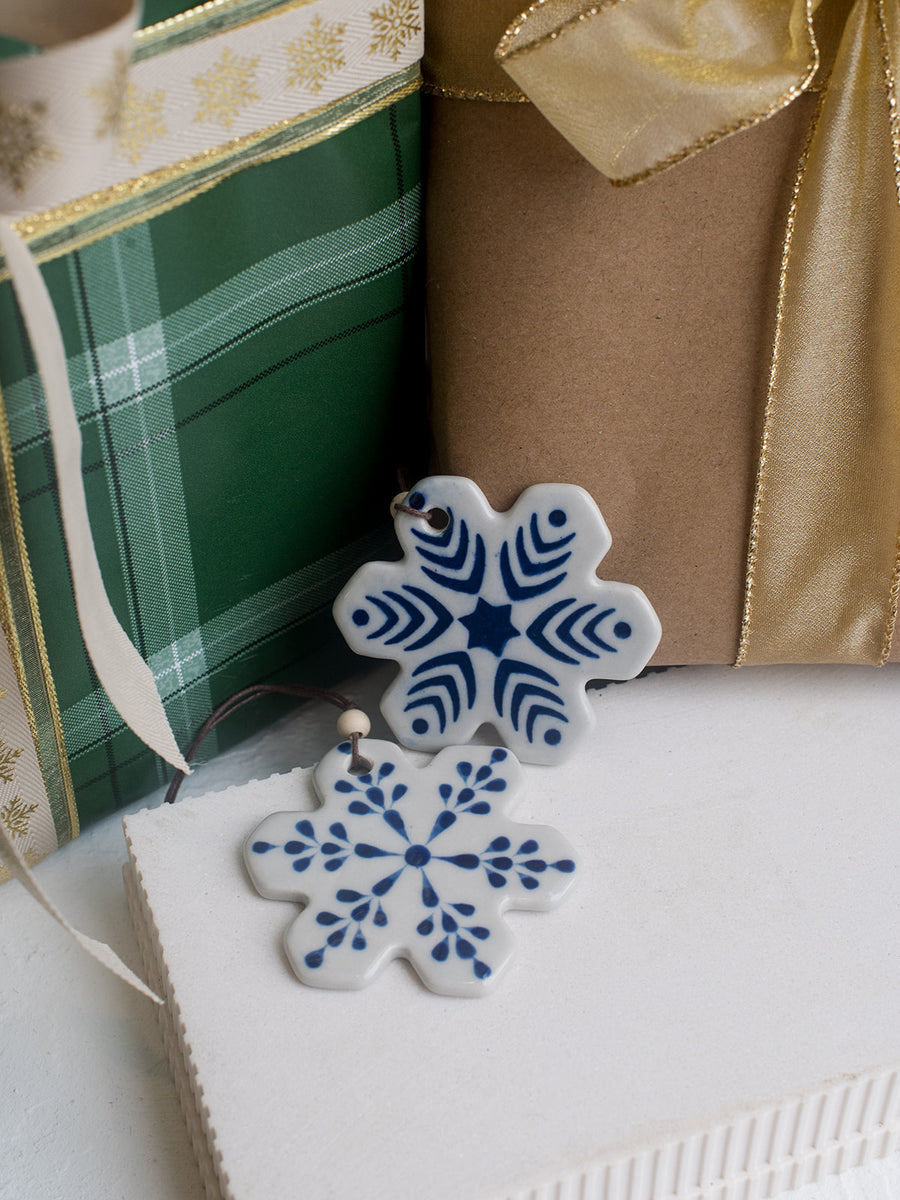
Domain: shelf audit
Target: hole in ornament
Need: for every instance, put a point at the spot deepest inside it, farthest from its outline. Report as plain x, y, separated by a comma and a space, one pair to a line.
438, 518
365, 766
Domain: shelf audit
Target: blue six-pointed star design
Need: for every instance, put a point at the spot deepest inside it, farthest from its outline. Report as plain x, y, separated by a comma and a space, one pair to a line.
489, 627
497, 618
413, 862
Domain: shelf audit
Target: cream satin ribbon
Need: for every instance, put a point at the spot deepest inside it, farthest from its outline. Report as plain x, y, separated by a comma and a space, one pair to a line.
99, 951
122, 672
48, 100
69, 110
124, 675
639, 85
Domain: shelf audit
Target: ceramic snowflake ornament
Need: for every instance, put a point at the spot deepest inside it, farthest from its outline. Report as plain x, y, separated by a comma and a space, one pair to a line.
411, 862
497, 618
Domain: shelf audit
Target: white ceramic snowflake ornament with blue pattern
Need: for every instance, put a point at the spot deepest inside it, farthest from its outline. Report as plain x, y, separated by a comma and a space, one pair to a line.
408, 862
498, 618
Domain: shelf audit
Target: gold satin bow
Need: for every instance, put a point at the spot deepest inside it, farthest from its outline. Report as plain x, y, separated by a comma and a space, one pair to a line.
637, 85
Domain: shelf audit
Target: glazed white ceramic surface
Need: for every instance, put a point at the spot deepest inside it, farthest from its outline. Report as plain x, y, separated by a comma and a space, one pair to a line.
498, 619
411, 862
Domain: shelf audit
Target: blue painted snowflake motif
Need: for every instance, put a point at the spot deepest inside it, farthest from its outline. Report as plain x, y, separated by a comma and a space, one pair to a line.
497, 618
413, 862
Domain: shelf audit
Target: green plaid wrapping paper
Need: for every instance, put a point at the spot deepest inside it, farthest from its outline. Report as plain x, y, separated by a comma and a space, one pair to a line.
243, 368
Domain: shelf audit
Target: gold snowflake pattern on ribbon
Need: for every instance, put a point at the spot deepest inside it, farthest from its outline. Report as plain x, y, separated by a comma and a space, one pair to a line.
9, 757
16, 815
226, 89
109, 95
23, 146
316, 54
394, 24
141, 123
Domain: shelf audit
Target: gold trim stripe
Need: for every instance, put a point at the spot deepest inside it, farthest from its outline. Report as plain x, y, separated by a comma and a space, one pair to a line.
505, 48
759, 490
49, 743
80, 222
216, 16
891, 85
453, 93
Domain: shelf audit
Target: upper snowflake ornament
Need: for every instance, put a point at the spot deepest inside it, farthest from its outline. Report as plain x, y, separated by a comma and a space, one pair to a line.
497, 618
413, 862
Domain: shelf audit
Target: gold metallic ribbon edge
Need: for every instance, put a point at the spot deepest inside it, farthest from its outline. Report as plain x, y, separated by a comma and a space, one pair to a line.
759, 488
891, 84
20, 619
891, 604
216, 16
80, 222
448, 93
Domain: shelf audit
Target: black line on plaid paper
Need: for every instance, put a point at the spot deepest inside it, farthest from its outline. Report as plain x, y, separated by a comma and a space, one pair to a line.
293, 623
170, 429
211, 355
146, 752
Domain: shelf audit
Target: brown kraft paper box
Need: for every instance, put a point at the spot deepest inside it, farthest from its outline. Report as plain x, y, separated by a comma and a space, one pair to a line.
617, 338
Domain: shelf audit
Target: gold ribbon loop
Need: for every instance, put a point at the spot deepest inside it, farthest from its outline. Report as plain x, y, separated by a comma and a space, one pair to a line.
637, 85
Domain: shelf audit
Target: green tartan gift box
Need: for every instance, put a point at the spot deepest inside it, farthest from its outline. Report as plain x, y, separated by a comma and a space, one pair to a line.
237, 290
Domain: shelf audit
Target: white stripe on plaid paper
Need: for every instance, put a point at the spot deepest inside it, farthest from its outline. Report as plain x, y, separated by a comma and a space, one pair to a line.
145, 476
334, 261
123, 673
157, 470
337, 261
253, 622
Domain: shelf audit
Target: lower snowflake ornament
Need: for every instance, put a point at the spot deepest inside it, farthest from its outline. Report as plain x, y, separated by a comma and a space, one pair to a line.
408, 862
497, 618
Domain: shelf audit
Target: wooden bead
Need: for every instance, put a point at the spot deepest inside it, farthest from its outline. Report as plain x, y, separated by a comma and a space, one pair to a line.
399, 499
353, 720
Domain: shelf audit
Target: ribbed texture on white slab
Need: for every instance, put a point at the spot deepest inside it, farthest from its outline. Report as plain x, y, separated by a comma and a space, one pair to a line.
756, 1156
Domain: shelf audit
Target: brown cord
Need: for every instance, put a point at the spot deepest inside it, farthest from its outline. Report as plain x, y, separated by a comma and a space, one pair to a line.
414, 512
249, 694
436, 517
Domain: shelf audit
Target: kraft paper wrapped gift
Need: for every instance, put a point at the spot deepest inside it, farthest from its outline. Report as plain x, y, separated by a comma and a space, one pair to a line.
225, 207
622, 337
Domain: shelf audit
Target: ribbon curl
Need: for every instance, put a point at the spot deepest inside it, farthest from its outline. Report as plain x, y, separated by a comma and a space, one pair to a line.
39, 167
638, 85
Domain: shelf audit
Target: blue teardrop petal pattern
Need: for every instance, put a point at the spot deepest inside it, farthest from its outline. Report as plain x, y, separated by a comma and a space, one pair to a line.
412, 862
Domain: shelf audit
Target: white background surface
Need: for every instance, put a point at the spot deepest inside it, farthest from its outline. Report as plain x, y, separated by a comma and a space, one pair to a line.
88, 1107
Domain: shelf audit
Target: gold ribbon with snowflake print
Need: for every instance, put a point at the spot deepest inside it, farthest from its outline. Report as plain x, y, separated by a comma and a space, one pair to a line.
224, 85
639, 85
